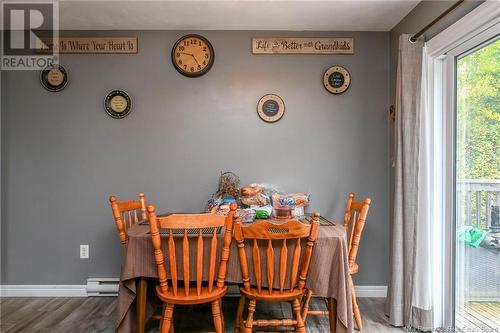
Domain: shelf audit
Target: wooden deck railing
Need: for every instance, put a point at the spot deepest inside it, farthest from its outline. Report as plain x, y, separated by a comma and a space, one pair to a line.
474, 200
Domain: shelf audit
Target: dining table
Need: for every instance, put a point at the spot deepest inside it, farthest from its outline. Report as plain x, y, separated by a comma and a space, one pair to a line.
328, 275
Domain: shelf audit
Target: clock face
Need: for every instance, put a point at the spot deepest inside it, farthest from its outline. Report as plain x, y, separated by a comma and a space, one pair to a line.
193, 55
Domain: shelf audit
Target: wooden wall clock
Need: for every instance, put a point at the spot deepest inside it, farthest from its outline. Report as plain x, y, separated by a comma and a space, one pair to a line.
336, 79
271, 108
54, 78
118, 104
193, 55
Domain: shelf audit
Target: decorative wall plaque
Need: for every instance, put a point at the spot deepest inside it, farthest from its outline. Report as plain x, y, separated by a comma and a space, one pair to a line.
90, 45
54, 78
118, 104
302, 46
271, 108
336, 79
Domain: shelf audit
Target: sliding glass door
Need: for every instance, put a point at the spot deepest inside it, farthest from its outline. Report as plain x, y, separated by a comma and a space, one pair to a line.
477, 183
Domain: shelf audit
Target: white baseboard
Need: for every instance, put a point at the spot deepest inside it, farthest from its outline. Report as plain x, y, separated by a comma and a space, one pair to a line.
49, 290
371, 291
361, 291
74, 290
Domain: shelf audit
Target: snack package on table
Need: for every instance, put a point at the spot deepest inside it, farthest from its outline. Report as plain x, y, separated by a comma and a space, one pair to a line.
251, 195
292, 200
250, 190
256, 200
223, 209
247, 215
295, 203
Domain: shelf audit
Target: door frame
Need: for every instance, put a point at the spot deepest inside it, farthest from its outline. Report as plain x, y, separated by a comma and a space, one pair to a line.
479, 26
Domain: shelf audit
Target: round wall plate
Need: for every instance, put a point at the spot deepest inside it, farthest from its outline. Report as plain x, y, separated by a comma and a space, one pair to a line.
54, 78
118, 104
271, 108
336, 79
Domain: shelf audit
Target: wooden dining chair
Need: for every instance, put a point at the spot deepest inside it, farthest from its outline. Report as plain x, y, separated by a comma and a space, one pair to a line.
191, 228
260, 237
354, 222
126, 213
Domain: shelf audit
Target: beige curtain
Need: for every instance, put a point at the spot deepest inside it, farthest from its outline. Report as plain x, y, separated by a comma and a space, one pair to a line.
409, 301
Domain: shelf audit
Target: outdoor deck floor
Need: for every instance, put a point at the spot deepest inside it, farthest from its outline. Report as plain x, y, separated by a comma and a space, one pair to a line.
478, 315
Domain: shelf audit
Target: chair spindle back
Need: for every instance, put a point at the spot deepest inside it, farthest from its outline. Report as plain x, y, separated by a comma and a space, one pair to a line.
354, 222
184, 225
126, 213
261, 235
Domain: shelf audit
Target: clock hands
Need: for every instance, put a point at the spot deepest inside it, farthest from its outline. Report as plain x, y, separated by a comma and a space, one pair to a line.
195, 59
192, 55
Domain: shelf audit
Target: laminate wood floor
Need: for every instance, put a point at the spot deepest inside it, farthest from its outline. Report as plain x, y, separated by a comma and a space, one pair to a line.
97, 315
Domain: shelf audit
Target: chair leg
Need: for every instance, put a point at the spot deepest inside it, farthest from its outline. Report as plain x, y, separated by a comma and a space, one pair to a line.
298, 317
239, 314
172, 325
217, 317
249, 322
166, 322
171, 322
222, 316
355, 309
307, 301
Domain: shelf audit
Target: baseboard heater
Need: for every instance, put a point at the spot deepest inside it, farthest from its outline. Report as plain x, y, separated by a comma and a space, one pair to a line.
109, 287
102, 286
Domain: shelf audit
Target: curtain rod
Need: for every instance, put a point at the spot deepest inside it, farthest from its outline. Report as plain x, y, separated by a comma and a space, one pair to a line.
413, 39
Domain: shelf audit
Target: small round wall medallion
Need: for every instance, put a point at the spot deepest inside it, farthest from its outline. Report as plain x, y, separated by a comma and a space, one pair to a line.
118, 104
54, 78
336, 79
271, 108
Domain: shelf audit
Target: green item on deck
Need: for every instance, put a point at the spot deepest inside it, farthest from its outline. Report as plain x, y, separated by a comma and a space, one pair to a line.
471, 235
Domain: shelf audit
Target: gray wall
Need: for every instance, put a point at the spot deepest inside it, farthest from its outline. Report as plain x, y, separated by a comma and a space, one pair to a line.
64, 155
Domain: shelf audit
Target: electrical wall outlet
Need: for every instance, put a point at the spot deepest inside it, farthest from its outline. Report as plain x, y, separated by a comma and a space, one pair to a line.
84, 251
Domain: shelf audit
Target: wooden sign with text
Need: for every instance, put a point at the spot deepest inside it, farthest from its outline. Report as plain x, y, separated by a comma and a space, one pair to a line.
302, 45
90, 45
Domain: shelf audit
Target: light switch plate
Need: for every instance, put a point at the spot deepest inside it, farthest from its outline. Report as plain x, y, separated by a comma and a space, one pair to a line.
84, 251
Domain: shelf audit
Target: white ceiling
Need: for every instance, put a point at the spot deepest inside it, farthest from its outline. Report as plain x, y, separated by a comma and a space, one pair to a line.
333, 15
